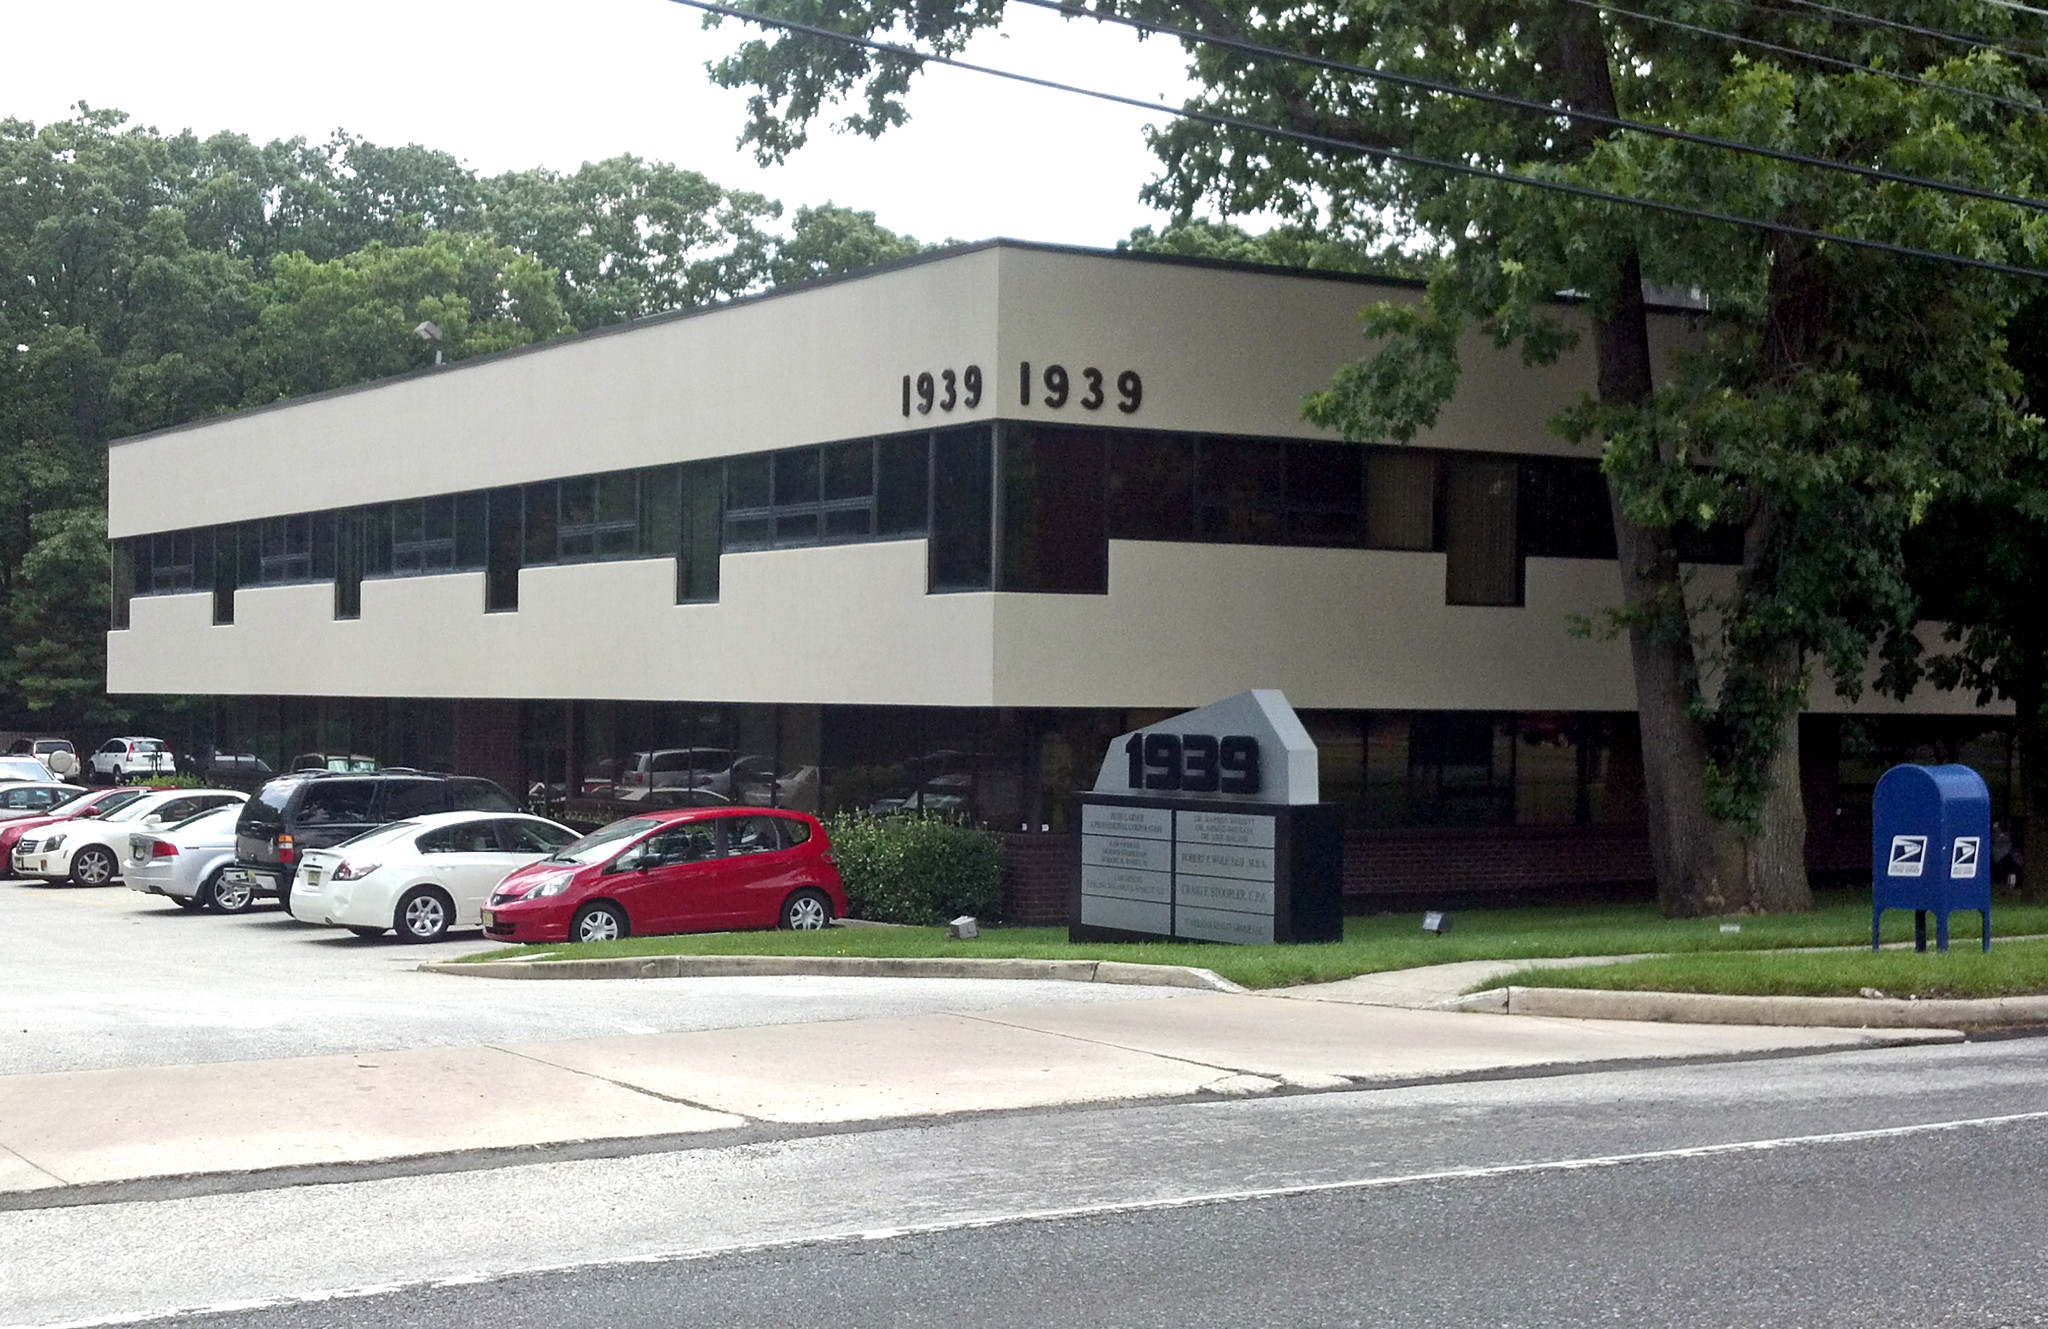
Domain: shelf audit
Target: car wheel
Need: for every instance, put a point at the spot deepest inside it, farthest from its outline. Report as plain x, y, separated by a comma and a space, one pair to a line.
598, 922
284, 900
229, 897
806, 911
423, 914
93, 866
367, 933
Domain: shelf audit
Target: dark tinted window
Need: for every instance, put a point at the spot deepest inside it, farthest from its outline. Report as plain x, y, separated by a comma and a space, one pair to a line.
1325, 494
1400, 499
752, 835
473, 795
795, 832
521, 835
1239, 487
689, 843
502, 559
961, 544
902, 483
412, 798
331, 802
1482, 564
1151, 487
268, 805
1053, 536
541, 500
1565, 512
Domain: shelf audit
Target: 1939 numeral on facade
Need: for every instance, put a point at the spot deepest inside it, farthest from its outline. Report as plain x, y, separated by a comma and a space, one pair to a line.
1194, 763
944, 391
1057, 388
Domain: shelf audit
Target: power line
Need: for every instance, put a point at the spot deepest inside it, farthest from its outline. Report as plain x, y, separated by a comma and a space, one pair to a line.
1547, 109
1860, 19
2031, 108
1362, 149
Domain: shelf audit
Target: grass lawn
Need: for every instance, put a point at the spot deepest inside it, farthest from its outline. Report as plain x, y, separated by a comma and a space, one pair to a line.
2011, 969
1370, 945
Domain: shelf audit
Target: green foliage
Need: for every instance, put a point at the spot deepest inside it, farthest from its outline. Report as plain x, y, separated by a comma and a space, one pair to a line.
827, 240
909, 869
170, 782
1285, 247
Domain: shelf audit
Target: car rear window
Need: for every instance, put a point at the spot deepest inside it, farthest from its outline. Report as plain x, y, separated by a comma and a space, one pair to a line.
146, 745
795, 832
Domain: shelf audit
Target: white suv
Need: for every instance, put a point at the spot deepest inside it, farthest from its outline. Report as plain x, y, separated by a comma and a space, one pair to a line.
122, 759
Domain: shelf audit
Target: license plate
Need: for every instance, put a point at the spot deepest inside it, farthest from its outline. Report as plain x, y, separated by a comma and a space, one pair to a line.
312, 876
488, 917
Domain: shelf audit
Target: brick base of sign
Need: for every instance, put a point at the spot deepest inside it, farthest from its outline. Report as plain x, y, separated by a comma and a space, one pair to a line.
1458, 868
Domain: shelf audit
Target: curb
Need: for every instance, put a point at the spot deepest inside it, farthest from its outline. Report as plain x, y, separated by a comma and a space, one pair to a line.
1719, 1008
845, 966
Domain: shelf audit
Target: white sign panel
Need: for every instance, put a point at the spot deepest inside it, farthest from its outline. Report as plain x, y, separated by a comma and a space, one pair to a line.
1208, 860
1126, 884
1105, 911
1963, 864
1223, 925
1138, 823
1909, 856
1249, 897
1223, 828
1117, 851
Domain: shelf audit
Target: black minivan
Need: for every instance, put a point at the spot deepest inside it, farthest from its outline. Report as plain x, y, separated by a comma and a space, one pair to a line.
315, 809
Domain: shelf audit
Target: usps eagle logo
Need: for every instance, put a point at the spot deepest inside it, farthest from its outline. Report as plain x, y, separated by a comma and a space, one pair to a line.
1962, 863
1909, 856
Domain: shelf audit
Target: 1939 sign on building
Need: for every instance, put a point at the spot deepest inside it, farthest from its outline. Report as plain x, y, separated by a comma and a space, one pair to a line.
1209, 827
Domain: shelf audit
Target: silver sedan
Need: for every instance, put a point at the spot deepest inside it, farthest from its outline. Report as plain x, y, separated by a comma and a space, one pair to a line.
183, 862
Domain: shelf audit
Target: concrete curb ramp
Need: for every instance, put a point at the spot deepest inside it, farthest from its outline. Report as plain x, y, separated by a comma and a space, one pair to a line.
1716, 1008
846, 966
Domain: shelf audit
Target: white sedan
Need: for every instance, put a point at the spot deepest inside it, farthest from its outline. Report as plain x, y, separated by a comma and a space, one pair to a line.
183, 863
90, 852
422, 876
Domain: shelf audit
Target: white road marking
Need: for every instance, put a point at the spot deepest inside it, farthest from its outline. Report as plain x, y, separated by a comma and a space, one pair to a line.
1098, 1210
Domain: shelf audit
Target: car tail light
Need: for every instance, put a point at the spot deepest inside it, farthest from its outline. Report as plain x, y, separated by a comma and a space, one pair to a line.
286, 849
131, 749
163, 849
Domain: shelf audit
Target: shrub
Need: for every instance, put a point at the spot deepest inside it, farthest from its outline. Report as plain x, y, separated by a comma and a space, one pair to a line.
911, 869
170, 782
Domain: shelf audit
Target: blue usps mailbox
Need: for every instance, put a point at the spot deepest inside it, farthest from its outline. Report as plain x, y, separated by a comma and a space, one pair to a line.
1930, 848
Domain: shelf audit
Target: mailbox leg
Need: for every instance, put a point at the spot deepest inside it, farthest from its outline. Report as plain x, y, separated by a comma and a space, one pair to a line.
1919, 929
1876, 927
1941, 931
1985, 914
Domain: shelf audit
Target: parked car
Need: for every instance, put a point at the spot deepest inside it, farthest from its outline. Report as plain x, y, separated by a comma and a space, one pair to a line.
183, 863
122, 759
89, 851
318, 809
422, 876
23, 770
235, 770
690, 870
92, 805
57, 755
35, 800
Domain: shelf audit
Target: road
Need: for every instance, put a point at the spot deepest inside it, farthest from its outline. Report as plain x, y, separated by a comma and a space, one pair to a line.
107, 977
1897, 1187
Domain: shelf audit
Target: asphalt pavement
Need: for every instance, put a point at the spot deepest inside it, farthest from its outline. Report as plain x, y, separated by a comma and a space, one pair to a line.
109, 977
1895, 1187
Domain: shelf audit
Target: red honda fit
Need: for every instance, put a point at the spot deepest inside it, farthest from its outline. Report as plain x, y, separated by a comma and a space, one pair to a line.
687, 870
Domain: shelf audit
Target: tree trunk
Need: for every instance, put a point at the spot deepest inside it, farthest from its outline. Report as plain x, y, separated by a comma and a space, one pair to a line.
1703, 865
2030, 827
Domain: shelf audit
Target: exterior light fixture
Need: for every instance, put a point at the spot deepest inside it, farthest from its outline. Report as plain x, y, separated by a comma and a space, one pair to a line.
964, 928
1436, 922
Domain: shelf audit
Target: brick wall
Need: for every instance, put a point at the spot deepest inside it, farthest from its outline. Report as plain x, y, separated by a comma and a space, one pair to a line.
1039, 875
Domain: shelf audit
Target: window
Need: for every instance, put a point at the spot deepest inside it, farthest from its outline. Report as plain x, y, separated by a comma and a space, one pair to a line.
124, 581
961, 547
703, 522
1564, 509
1151, 486
846, 499
423, 536
903, 485
337, 802
227, 567
690, 843
1483, 563
469, 837
801, 497
541, 503
502, 558
749, 505
411, 798
170, 562
751, 835
1053, 537
661, 511
1325, 494
350, 534
794, 832
517, 835
600, 517
1239, 485
1400, 499
286, 553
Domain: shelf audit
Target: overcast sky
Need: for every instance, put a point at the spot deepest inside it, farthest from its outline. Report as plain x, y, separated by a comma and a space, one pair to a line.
520, 83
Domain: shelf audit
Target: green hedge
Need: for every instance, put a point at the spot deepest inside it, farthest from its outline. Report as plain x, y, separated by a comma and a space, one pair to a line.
910, 869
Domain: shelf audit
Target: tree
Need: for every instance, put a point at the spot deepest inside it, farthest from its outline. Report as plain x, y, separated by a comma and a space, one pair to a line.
1831, 394
828, 240
1286, 247
1979, 564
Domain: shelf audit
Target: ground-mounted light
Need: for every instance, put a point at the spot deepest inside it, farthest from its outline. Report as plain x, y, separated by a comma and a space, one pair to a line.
964, 928
1436, 922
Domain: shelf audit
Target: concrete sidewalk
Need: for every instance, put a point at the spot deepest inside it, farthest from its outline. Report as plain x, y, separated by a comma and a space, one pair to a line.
96, 1128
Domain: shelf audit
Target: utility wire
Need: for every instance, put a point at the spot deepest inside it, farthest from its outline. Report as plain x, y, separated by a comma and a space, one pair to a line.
2031, 108
1546, 109
1858, 18
1361, 149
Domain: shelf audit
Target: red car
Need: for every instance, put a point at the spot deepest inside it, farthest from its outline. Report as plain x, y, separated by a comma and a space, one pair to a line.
95, 804
686, 870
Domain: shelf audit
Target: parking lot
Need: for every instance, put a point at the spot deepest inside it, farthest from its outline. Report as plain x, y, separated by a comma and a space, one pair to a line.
105, 977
